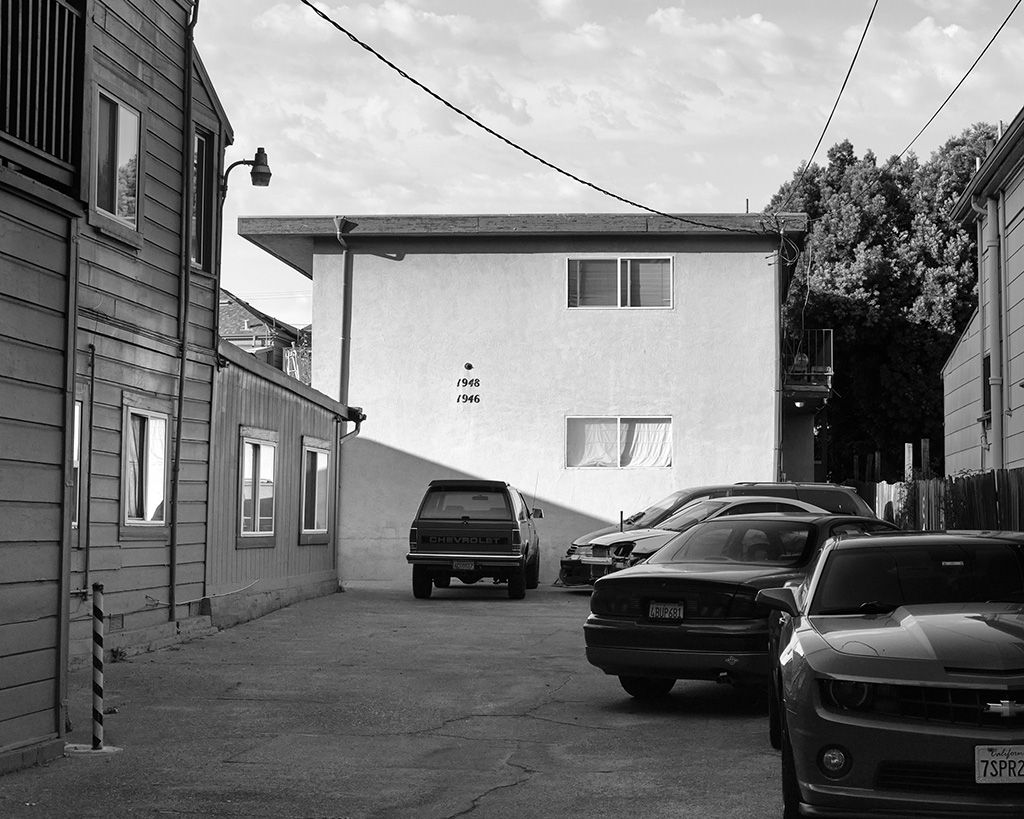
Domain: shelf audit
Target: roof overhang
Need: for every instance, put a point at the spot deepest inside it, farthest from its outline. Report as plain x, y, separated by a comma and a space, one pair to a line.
292, 239
1002, 161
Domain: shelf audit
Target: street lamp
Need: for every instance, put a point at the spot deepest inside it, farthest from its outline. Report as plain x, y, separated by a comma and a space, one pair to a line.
260, 173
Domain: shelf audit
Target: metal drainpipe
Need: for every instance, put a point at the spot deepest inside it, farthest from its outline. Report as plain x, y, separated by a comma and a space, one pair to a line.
184, 303
1004, 329
86, 519
994, 341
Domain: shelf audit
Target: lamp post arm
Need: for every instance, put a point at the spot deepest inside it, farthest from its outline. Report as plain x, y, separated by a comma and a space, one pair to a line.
224, 179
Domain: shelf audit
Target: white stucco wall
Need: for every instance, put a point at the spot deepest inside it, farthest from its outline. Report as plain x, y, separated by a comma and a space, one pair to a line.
709, 362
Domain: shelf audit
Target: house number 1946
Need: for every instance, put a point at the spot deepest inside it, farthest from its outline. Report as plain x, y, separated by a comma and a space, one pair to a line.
465, 398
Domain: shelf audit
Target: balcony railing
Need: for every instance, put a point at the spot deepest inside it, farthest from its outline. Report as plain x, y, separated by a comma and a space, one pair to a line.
41, 43
807, 360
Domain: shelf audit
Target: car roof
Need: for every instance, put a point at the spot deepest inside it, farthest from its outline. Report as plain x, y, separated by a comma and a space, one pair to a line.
906, 539
453, 483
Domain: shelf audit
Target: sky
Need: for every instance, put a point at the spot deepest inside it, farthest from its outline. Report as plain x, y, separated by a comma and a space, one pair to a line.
682, 106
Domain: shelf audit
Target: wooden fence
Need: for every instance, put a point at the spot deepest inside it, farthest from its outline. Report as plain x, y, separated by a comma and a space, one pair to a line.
992, 500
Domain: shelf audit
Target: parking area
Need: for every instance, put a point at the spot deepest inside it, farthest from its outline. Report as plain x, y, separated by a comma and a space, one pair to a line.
370, 703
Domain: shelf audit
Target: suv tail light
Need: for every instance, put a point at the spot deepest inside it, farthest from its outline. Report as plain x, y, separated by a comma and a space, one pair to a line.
517, 539
412, 539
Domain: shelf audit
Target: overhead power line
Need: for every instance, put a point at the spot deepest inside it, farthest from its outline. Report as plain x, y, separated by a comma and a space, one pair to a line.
849, 71
508, 141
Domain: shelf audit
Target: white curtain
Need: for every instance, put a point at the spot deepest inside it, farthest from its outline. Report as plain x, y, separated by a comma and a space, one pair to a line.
591, 442
646, 442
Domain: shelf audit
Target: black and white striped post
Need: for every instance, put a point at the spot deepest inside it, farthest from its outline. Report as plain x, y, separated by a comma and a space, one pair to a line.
97, 666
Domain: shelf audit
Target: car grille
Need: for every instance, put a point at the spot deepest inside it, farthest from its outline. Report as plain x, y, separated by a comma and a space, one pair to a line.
936, 778
955, 706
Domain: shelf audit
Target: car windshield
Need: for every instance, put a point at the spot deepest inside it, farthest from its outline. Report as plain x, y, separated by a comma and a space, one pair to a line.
878, 579
452, 504
692, 513
778, 541
657, 511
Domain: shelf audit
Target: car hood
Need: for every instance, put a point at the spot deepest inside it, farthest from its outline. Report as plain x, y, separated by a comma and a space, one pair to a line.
633, 536
975, 636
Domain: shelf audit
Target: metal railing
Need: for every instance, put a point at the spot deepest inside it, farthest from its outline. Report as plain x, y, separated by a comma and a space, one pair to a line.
41, 44
807, 358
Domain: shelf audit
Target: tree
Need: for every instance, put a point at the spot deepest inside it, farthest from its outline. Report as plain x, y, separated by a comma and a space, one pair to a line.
894, 276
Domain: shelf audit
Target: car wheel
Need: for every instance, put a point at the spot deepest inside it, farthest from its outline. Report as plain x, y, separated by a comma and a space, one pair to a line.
517, 585
790, 785
647, 688
442, 581
422, 583
774, 714
533, 573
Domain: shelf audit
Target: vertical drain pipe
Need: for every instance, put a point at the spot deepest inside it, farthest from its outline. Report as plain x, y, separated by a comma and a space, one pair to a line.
995, 384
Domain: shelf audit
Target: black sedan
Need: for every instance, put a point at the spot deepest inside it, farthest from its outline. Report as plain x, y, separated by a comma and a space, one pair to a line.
900, 678
690, 611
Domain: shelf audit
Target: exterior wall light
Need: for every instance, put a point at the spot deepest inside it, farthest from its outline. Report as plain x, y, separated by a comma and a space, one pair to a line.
260, 173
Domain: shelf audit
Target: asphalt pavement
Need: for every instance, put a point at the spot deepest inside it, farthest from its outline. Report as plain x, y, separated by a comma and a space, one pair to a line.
369, 704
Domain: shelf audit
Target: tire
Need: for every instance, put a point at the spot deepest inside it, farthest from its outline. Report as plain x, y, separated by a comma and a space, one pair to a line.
442, 581
790, 784
517, 585
774, 714
533, 573
647, 688
422, 583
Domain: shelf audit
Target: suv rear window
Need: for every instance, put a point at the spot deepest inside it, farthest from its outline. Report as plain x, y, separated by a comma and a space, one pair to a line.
455, 504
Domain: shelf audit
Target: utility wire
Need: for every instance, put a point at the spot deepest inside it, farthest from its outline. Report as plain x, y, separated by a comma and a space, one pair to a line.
962, 81
509, 142
849, 71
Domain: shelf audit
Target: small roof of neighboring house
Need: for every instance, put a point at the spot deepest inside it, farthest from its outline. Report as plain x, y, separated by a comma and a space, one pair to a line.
292, 239
239, 319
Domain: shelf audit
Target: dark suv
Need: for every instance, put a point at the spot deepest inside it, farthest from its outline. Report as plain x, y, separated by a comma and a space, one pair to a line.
579, 567
471, 529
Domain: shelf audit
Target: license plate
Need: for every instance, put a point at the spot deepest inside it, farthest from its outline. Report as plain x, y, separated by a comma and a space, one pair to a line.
463, 565
665, 611
998, 764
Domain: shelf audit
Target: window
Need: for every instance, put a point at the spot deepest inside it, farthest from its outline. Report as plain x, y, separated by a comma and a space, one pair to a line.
202, 201
145, 475
117, 160
76, 465
257, 487
315, 489
620, 283
618, 442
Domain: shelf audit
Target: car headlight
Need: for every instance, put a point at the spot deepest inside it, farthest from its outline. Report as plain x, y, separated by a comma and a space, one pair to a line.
850, 695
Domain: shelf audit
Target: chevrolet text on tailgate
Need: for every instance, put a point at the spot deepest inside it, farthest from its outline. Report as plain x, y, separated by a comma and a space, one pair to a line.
470, 530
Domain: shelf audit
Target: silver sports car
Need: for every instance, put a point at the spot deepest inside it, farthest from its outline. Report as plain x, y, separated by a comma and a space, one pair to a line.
899, 678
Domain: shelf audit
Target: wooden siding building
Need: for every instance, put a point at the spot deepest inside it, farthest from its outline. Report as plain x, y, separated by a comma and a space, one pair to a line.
112, 145
983, 399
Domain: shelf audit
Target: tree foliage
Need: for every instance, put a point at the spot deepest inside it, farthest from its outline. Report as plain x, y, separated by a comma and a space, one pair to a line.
894, 276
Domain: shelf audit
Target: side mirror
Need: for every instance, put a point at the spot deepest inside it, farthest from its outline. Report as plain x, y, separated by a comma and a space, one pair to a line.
538, 513
779, 600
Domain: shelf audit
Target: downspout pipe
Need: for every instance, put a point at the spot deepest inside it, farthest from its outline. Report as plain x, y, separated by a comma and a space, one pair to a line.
994, 343
184, 303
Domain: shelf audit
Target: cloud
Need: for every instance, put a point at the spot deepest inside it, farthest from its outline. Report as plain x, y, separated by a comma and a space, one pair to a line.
557, 9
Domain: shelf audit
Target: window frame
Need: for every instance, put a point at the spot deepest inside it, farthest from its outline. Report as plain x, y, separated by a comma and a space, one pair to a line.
204, 202
260, 438
101, 94
619, 419
112, 82
151, 409
309, 537
620, 263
